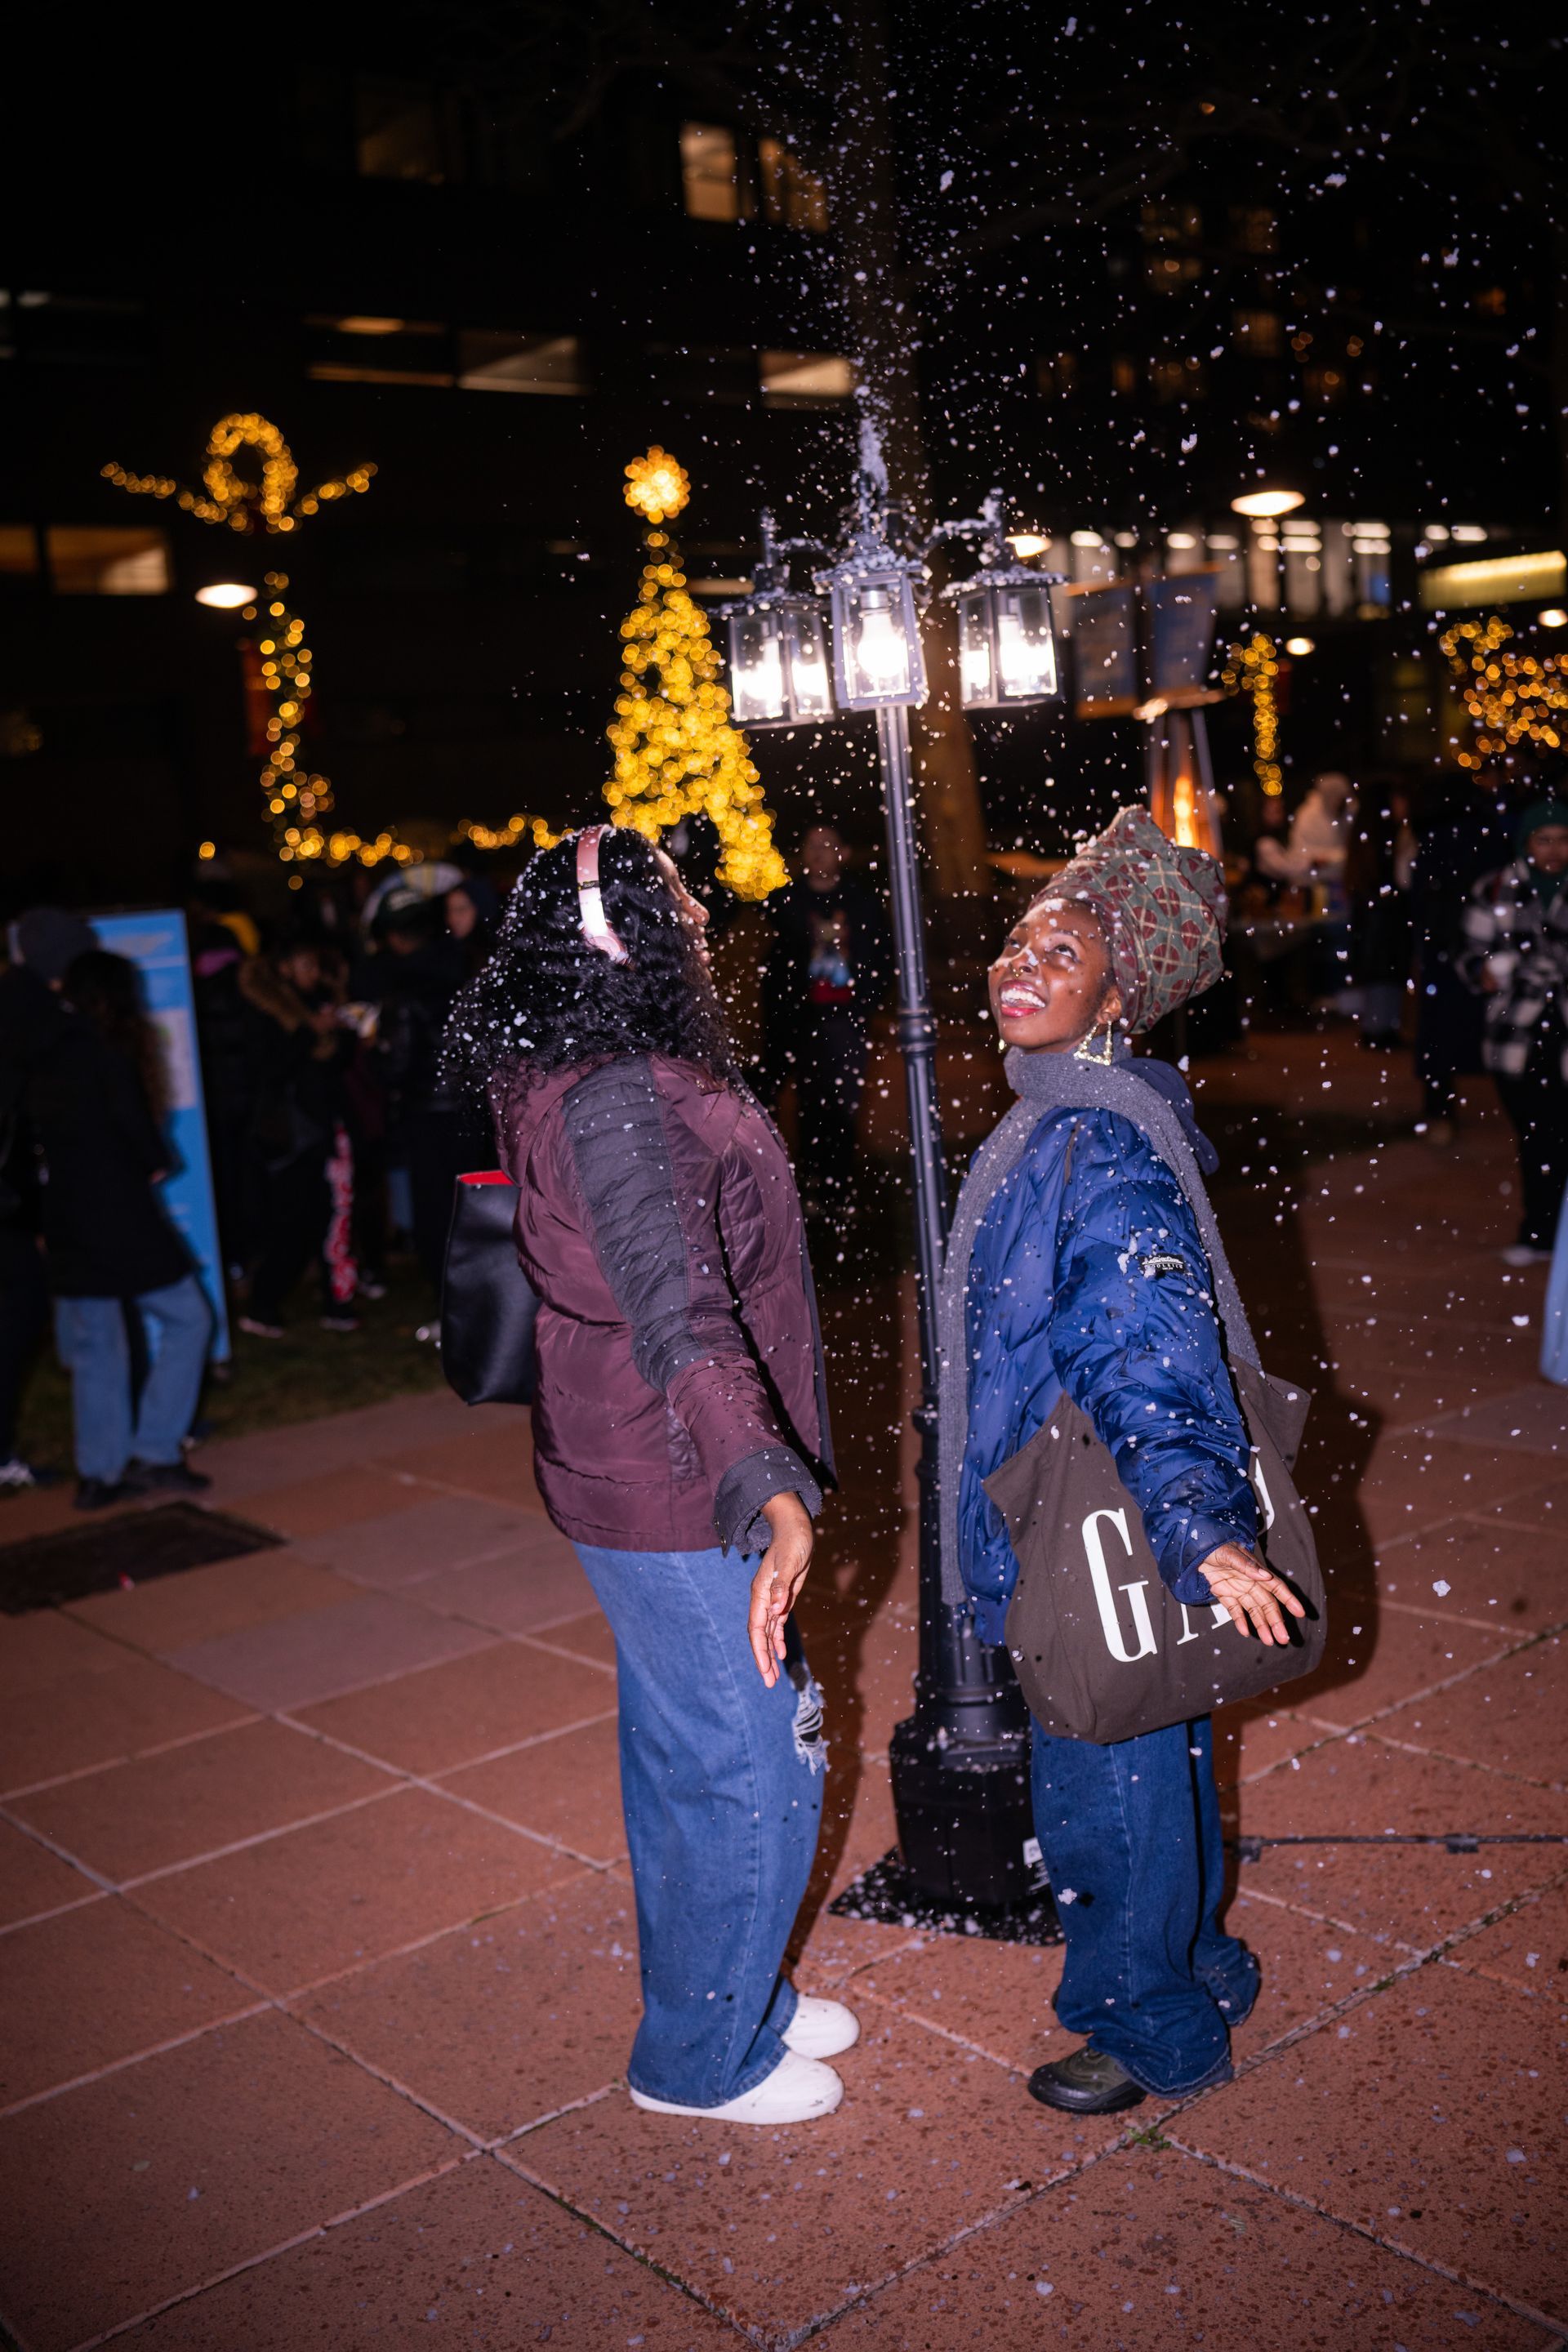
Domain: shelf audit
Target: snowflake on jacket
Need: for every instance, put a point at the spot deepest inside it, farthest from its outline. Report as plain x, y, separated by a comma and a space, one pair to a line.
1088, 1275
1523, 946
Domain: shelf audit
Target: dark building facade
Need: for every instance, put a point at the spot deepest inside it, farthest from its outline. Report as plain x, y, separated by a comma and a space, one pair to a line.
397, 273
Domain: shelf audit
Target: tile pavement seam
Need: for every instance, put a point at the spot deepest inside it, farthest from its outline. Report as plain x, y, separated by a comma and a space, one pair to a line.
394, 2083
559, 1650
259, 1837
479, 1495
134, 2058
468, 1763
376, 1682
440, 1568
1436, 1611
419, 1943
635, 2254
866, 2294
1361, 1727
1465, 2279
36, 1918
135, 1754
1472, 1763
537, 2123
929, 2025
61, 1853
271, 2253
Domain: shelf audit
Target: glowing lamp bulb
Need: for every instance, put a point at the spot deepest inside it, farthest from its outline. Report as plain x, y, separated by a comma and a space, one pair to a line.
1555, 617
1267, 502
880, 647
1301, 646
225, 595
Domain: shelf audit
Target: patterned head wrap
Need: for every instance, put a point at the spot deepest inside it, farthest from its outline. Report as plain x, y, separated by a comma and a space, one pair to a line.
1163, 909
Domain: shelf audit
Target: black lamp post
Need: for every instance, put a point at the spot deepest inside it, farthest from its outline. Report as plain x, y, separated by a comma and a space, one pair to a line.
960, 1761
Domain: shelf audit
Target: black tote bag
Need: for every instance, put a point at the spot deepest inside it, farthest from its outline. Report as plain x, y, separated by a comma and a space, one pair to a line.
488, 1304
1101, 1650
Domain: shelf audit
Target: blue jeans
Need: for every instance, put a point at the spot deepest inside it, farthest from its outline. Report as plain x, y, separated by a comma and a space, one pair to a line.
91, 1336
721, 1782
1131, 1834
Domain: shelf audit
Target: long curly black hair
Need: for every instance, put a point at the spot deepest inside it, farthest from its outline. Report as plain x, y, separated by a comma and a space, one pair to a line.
547, 998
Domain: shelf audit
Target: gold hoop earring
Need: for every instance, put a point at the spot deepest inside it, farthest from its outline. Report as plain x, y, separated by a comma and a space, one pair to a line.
1103, 1055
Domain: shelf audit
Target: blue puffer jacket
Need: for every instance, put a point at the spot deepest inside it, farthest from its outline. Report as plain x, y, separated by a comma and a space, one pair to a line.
1088, 1275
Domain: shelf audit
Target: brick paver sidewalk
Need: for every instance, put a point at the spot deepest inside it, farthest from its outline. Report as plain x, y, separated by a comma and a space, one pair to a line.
320, 1964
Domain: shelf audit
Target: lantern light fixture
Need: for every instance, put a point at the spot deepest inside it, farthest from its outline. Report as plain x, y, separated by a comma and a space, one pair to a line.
778, 647
878, 664
1006, 642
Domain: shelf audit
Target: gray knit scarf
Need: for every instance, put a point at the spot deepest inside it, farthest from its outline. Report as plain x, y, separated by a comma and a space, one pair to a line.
1048, 1082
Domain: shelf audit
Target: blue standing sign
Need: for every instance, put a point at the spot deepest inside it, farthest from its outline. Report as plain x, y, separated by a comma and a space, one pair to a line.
156, 943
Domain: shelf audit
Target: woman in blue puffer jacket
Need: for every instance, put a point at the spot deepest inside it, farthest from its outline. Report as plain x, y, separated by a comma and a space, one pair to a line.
1078, 1265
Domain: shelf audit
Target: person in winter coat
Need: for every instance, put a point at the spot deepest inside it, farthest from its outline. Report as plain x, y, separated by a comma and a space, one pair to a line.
1461, 834
1088, 1276
298, 1049
94, 1100
1515, 954
826, 973
680, 1439
1379, 867
413, 978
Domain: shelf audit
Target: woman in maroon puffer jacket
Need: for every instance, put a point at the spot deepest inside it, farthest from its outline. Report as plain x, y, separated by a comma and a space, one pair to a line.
680, 1442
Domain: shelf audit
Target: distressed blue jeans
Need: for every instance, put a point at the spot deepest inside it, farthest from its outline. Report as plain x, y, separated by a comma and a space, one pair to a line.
721, 1782
1131, 1838
91, 1336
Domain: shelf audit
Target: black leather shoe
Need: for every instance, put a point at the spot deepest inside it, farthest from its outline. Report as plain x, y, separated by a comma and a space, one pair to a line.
98, 1493
1088, 2082
145, 1476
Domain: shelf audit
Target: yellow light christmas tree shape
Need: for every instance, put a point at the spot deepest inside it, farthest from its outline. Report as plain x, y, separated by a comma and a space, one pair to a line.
677, 752
1511, 698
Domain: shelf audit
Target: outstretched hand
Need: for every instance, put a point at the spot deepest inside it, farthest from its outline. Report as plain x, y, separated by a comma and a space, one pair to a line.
1254, 1595
777, 1580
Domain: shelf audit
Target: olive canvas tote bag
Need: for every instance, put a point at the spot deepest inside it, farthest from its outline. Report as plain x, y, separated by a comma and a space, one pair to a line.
1101, 1650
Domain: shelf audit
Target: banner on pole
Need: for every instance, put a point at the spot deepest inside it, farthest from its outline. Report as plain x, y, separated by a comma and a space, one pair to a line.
155, 942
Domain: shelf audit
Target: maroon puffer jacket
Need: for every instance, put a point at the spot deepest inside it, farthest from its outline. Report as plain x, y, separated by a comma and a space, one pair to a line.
680, 1377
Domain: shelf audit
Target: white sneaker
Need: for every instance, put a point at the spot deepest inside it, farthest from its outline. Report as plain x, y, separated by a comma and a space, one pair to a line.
797, 2092
821, 2028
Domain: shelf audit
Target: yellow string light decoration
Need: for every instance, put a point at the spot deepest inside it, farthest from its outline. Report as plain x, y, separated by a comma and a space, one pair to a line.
1511, 698
295, 797
677, 752
1252, 669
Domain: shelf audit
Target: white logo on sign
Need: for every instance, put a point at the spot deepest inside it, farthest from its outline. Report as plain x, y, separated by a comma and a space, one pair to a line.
1094, 1545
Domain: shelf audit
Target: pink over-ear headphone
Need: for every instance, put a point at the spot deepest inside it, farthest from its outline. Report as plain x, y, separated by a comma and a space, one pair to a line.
595, 922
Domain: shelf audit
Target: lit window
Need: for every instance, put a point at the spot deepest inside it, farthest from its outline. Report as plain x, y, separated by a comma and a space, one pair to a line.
1252, 228
1057, 377
1260, 330
18, 550
74, 330
491, 362
1124, 374
805, 379
360, 349
1170, 231
792, 197
397, 132
711, 174
101, 561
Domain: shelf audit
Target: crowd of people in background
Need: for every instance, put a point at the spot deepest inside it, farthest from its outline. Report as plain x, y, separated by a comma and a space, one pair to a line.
1433, 913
